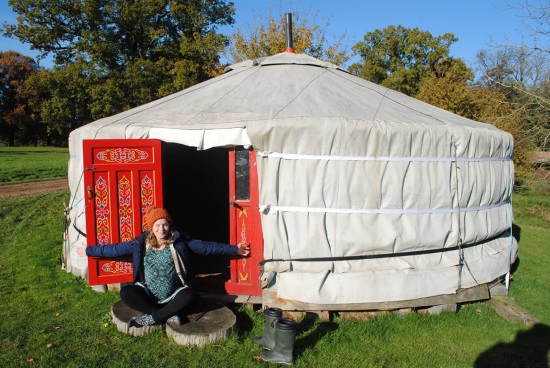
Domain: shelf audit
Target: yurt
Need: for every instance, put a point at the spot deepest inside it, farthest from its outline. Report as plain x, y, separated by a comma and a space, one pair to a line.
352, 196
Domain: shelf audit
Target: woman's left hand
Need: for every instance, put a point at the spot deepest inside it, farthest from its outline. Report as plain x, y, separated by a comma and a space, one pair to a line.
81, 250
244, 250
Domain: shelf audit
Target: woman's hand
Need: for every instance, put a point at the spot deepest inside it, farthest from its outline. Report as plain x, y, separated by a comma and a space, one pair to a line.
81, 250
244, 250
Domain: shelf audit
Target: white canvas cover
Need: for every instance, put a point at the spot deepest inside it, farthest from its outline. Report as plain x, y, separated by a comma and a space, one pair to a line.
366, 194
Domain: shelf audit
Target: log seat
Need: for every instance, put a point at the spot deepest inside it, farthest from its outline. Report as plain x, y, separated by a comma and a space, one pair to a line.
121, 314
205, 323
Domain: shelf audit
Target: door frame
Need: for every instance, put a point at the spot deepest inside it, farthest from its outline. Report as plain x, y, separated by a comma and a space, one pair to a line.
245, 226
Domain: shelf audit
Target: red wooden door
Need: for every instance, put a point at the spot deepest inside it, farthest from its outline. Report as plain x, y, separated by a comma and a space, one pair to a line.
122, 178
245, 226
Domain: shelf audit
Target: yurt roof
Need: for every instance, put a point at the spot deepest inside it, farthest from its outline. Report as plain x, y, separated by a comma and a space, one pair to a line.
281, 86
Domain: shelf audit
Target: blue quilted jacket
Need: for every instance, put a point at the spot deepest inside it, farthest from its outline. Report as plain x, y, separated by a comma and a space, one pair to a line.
183, 245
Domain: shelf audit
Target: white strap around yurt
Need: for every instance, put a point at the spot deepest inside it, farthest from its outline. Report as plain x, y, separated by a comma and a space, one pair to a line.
290, 156
271, 209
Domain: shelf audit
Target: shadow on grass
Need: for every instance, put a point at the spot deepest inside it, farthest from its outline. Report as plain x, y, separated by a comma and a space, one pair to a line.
529, 349
245, 324
516, 233
309, 336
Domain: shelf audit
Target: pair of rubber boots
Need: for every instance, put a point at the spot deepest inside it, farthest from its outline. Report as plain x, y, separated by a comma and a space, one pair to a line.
278, 338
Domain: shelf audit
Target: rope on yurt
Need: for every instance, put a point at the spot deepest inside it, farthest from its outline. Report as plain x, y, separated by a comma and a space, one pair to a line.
73, 204
461, 258
460, 249
384, 255
67, 218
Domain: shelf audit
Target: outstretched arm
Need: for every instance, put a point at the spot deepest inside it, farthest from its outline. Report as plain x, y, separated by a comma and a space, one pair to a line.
214, 248
114, 250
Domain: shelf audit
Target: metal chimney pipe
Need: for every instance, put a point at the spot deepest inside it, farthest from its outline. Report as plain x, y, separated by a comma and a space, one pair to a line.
289, 42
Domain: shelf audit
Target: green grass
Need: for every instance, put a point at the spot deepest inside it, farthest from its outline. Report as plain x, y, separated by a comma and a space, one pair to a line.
51, 318
22, 164
531, 282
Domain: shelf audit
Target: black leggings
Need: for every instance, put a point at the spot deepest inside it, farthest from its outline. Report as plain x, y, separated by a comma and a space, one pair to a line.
136, 298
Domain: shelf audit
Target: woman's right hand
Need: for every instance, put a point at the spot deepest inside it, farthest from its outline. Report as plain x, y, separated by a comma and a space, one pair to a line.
243, 251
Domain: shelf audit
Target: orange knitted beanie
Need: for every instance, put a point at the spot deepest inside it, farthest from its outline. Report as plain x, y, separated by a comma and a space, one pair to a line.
155, 213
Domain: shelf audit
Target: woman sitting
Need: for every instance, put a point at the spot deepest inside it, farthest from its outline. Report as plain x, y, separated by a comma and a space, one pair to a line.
162, 279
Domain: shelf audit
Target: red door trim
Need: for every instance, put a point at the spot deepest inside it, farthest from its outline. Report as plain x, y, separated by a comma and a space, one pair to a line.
245, 224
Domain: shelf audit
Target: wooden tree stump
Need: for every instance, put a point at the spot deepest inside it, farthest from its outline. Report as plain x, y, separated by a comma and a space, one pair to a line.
121, 314
207, 324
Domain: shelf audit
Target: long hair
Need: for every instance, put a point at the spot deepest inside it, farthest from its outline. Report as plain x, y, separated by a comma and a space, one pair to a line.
152, 242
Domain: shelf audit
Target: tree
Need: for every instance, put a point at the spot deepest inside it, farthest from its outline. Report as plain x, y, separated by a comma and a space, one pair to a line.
520, 71
118, 54
399, 58
536, 17
114, 32
267, 36
448, 87
451, 88
16, 119
522, 78
63, 99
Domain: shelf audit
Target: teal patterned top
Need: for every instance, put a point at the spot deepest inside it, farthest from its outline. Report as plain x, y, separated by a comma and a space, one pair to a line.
160, 273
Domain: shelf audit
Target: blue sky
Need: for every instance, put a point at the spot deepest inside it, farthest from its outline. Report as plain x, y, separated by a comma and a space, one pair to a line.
476, 23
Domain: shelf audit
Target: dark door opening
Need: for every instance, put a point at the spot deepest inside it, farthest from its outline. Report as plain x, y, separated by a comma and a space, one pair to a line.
196, 191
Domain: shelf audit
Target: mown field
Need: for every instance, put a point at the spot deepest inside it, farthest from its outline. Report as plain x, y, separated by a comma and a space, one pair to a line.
23, 164
51, 318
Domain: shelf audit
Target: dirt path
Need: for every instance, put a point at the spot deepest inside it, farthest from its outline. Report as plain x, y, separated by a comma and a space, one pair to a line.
32, 188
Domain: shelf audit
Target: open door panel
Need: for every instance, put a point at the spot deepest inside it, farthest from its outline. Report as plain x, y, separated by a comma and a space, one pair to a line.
122, 178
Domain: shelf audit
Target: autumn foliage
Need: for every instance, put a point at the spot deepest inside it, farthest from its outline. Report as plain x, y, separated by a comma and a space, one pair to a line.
449, 88
267, 36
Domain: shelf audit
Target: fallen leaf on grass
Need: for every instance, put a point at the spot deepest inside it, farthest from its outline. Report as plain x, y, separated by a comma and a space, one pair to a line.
56, 327
57, 315
49, 345
30, 360
257, 357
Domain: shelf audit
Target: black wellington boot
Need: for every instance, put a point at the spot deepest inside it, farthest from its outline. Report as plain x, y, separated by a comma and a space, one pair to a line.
283, 352
271, 317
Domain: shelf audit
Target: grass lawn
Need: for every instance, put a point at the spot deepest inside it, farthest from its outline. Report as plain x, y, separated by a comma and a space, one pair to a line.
20, 164
50, 318
531, 283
